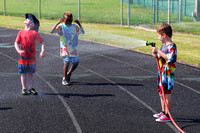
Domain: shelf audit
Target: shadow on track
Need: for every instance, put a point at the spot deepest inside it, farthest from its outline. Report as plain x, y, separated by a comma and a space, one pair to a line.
8, 108
68, 95
104, 84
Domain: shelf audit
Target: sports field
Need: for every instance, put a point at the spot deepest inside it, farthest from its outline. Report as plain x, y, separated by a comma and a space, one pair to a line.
98, 11
112, 90
114, 86
122, 36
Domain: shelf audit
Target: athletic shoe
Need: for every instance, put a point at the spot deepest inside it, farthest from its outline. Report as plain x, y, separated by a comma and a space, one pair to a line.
158, 115
33, 91
64, 81
68, 78
25, 92
163, 118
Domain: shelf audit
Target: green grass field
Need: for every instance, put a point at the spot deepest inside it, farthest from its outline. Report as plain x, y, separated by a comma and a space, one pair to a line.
187, 44
95, 14
92, 11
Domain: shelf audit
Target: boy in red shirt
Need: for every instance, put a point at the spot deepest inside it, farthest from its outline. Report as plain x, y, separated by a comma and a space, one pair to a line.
27, 60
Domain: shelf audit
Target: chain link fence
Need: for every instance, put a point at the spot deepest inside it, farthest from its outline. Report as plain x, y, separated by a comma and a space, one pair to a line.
133, 12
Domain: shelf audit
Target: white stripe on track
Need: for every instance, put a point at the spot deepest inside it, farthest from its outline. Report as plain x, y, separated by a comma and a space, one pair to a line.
71, 114
123, 89
181, 84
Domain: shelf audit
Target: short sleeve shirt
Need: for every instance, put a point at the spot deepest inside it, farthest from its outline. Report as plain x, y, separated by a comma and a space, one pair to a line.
168, 67
69, 40
27, 40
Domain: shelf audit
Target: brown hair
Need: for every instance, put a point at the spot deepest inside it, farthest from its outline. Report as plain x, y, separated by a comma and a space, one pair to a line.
165, 28
68, 18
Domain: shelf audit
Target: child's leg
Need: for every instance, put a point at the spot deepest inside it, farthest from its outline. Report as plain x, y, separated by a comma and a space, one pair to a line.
73, 67
30, 80
162, 103
65, 68
169, 103
23, 80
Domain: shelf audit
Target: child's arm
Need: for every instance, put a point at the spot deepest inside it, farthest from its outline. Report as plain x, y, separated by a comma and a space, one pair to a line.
81, 28
42, 50
18, 49
156, 51
54, 27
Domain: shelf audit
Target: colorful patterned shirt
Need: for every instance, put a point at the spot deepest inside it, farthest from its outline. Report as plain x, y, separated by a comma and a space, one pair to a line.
69, 39
168, 67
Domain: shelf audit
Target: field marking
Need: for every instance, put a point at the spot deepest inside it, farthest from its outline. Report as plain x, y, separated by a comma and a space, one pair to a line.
6, 45
5, 35
123, 89
181, 84
67, 107
71, 114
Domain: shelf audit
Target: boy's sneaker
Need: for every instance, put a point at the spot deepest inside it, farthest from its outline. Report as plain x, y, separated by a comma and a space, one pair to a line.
64, 81
158, 115
163, 118
25, 92
33, 91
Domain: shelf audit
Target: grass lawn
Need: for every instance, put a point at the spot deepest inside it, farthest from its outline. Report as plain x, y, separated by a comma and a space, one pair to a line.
91, 11
187, 44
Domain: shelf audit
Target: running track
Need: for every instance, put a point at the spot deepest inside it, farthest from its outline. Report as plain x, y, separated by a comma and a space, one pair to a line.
112, 91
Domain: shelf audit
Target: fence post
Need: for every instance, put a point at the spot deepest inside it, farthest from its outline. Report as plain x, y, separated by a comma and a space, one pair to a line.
157, 7
39, 9
121, 12
79, 10
154, 18
128, 1
168, 11
197, 10
4, 7
180, 11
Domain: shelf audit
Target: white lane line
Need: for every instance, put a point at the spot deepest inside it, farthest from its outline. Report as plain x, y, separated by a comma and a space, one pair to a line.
6, 45
5, 35
123, 89
71, 114
181, 84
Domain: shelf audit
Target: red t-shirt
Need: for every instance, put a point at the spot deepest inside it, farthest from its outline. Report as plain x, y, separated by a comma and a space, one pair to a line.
27, 40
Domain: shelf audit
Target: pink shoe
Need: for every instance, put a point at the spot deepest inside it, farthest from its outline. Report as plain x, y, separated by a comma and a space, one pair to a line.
163, 118
158, 115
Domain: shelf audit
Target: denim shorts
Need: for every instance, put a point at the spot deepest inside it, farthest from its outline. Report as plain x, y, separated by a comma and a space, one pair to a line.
71, 59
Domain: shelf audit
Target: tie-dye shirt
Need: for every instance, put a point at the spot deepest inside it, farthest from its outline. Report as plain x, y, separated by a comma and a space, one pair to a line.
69, 40
168, 67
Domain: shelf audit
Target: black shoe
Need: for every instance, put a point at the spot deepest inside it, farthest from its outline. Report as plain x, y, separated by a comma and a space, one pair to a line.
25, 92
68, 78
33, 91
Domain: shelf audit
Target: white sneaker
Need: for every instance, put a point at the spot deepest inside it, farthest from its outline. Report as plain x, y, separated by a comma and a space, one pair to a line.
64, 81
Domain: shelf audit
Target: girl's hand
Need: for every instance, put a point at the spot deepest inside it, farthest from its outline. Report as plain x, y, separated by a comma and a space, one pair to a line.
78, 22
61, 20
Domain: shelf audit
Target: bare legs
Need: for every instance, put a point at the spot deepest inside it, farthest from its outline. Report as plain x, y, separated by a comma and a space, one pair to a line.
72, 68
169, 103
27, 79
